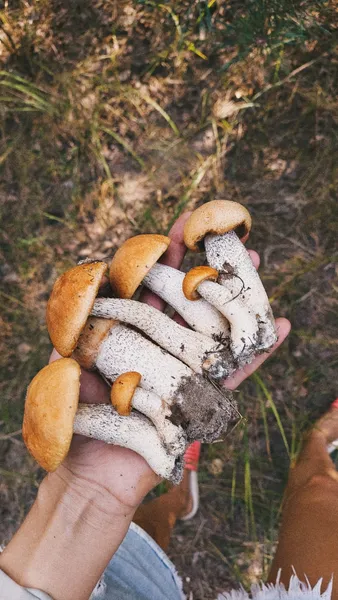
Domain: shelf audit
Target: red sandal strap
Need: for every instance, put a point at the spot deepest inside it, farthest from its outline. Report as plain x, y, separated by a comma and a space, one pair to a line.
334, 445
335, 403
192, 455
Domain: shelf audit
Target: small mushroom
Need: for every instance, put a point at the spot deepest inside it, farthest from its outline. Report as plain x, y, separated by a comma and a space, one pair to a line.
194, 278
53, 413
200, 280
135, 262
214, 226
202, 409
122, 392
125, 395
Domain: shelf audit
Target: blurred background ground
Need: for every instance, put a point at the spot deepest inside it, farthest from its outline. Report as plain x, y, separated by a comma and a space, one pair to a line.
117, 116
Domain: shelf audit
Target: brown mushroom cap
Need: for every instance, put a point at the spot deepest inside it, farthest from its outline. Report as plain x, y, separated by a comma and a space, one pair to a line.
217, 217
51, 403
122, 392
133, 260
70, 303
196, 276
90, 340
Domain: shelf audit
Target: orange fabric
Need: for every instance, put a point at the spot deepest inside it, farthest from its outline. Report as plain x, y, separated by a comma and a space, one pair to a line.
159, 516
309, 529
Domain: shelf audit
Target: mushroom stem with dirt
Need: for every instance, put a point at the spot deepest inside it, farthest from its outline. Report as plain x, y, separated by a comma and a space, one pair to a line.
202, 409
53, 414
135, 263
200, 281
201, 353
214, 226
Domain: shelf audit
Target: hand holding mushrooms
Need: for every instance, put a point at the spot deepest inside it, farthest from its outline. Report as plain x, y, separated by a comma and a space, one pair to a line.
165, 378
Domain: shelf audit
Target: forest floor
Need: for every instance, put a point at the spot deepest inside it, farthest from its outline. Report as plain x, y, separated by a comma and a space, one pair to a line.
115, 117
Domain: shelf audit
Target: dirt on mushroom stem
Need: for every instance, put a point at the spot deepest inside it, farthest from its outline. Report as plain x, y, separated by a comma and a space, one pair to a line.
197, 412
228, 255
238, 276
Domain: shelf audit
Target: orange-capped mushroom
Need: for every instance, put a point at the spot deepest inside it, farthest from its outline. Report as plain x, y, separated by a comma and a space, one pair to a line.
123, 390
51, 404
70, 303
193, 279
216, 217
133, 260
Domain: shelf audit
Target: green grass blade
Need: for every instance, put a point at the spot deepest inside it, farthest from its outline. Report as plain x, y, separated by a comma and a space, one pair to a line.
162, 112
248, 496
25, 82
174, 18
273, 407
57, 219
192, 48
233, 489
124, 144
5, 155
39, 102
265, 424
197, 178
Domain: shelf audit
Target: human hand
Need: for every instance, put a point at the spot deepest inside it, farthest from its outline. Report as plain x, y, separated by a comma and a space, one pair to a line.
121, 472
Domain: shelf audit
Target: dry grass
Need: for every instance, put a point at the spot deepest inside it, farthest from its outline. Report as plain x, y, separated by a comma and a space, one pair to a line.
116, 117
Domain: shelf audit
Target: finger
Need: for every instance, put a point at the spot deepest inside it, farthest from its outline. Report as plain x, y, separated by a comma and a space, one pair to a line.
255, 258
173, 257
283, 329
105, 290
175, 254
178, 319
54, 356
93, 389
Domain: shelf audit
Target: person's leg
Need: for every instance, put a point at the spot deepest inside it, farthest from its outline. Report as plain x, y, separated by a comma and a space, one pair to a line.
159, 516
308, 539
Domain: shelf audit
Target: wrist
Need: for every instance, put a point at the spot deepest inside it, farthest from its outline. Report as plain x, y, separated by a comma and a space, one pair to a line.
118, 476
81, 497
68, 537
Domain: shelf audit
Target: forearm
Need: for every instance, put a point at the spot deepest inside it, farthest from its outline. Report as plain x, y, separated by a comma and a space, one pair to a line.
67, 539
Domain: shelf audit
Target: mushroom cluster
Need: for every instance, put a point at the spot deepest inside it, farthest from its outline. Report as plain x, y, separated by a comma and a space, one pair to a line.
164, 377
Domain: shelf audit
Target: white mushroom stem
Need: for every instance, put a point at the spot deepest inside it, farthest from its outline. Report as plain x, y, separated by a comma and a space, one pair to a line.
243, 322
228, 255
102, 422
201, 408
126, 350
151, 405
166, 282
194, 349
